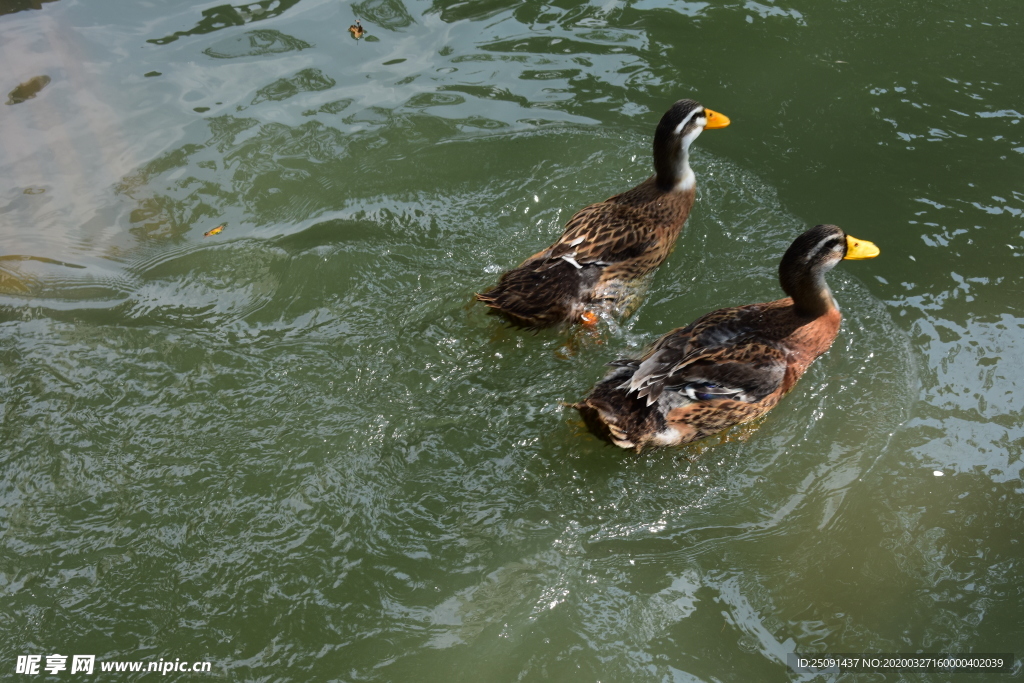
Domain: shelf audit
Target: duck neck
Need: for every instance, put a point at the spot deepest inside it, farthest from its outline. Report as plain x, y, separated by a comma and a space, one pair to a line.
810, 293
672, 162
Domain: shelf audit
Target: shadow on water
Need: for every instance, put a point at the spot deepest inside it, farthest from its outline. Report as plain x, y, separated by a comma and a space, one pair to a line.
388, 14
225, 16
12, 6
254, 44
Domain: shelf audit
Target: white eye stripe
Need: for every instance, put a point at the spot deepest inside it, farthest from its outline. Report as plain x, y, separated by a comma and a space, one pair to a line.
828, 244
824, 246
682, 124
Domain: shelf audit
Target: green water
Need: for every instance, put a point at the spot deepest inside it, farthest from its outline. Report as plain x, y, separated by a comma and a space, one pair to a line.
297, 451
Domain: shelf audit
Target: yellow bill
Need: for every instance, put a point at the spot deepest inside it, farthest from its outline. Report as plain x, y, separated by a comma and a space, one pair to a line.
715, 120
860, 249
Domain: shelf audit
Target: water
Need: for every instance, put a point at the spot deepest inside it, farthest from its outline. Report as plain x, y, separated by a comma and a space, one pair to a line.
297, 451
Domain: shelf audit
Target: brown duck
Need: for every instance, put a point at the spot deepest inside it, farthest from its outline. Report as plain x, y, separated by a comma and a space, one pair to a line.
731, 365
601, 261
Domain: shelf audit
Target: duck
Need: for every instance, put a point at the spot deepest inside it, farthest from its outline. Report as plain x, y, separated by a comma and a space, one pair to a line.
602, 261
731, 365
357, 30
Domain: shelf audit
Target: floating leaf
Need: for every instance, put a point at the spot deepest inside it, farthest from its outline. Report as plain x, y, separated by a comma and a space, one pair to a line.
29, 89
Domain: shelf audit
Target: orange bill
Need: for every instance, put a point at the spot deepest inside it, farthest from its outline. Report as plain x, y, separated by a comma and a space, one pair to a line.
715, 120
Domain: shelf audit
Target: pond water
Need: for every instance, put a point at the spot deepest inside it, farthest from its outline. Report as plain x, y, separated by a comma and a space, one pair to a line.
297, 450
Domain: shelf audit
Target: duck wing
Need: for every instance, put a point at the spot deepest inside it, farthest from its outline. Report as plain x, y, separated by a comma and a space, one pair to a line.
748, 371
740, 365
602, 234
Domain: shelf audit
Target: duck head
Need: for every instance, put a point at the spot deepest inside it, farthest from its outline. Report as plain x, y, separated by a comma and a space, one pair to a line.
678, 128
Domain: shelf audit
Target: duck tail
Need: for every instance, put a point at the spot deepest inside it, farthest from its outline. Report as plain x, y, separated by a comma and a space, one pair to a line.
616, 416
534, 297
603, 422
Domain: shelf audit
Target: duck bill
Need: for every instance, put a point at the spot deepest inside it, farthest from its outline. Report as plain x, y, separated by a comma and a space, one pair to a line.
860, 249
715, 120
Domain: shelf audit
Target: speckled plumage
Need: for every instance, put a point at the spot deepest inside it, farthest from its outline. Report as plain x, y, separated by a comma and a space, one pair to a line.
731, 365
607, 251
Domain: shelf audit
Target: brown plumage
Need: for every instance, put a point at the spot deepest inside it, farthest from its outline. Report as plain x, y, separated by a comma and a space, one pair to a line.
602, 260
731, 365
